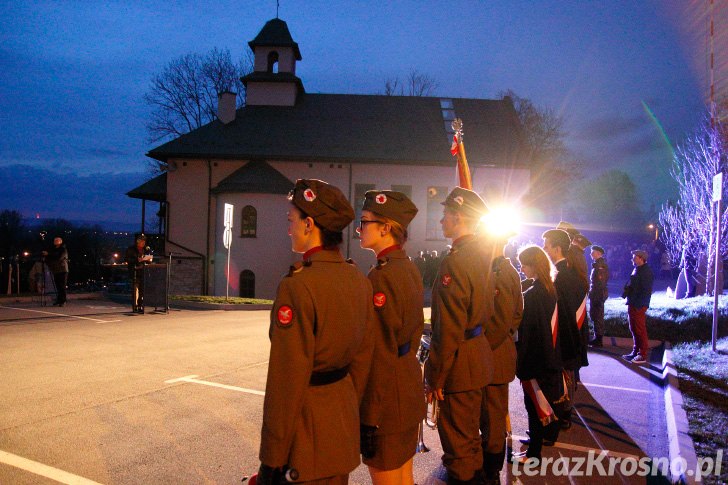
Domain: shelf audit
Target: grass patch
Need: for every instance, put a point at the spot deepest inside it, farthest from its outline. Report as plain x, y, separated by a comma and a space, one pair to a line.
687, 320
704, 385
221, 300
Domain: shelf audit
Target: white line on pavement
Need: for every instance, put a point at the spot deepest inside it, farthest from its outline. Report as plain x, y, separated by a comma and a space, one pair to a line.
584, 449
43, 470
59, 314
193, 379
616, 388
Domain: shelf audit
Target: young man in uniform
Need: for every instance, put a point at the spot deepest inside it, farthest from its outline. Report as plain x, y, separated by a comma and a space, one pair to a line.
638, 293
504, 285
461, 361
598, 293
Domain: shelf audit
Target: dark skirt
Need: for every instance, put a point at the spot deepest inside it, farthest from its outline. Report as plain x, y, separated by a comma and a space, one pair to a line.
393, 450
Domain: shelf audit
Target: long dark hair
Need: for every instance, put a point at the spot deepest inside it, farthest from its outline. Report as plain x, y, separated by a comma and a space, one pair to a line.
329, 239
536, 258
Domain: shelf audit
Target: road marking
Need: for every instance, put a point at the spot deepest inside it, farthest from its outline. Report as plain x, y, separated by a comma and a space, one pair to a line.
616, 388
585, 449
43, 470
59, 314
193, 379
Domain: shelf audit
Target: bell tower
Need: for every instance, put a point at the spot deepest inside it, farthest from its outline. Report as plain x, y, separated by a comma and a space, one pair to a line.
273, 81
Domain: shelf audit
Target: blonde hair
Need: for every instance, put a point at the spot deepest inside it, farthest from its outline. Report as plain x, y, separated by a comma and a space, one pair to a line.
397, 230
536, 258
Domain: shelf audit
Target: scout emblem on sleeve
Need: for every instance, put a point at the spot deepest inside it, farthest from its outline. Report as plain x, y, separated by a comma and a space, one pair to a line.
379, 299
309, 195
446, 280
285, 315
380, 198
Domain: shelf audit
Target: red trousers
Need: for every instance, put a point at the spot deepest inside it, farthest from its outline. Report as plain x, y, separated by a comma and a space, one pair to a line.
637, 318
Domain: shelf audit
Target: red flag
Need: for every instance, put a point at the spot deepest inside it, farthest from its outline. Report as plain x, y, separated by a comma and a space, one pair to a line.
454, 146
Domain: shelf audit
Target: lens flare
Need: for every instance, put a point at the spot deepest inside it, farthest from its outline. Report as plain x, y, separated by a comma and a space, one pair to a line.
501, 221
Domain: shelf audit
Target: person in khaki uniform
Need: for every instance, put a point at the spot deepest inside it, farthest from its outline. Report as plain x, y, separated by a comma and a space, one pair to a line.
396, 377
321, 348
460, 364
504, 284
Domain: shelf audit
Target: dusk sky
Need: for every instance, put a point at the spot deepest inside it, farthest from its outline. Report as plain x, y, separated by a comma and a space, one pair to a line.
74, 74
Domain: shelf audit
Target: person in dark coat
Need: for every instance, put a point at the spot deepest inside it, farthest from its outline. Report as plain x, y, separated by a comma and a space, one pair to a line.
598, 293
321, 344
137, 255
460, 362
539, 366
571, 291
638, 293
57, 260
397, 406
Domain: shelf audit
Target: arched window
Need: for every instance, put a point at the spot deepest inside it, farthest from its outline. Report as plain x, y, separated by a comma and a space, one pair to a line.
249, 222
273, 61
247, 284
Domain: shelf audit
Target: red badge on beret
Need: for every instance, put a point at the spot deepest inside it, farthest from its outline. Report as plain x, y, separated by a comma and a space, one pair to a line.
309, 195
379, 299
446, 280
380, 199
285, 315
497, 292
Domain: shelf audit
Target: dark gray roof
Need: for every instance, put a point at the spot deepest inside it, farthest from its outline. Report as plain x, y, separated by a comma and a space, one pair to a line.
153, 189
273, 77
357, 129
255, 177
275, 33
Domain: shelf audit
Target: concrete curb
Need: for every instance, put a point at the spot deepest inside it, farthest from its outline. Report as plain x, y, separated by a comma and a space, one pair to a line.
97, 295
198, 305
680, 442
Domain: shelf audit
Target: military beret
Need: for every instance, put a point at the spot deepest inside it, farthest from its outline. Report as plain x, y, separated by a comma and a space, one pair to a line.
466, 201
325, 203
568, 227
641, 254
581, 240
390, 204
598, 248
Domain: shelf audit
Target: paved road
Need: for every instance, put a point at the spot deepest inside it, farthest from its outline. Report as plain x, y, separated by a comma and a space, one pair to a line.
95, 392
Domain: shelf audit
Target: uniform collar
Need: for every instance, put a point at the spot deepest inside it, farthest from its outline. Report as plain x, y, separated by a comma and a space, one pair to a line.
463, 240
320, 254
390, 249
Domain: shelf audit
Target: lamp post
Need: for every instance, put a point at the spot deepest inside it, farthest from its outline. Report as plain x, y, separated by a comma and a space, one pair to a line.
653, 227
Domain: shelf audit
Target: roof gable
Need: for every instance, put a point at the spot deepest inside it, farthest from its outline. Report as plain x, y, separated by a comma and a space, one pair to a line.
255, 177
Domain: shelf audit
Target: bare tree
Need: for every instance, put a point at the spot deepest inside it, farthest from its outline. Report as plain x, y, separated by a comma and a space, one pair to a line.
552, 169
183, 97
688, 224
416, 84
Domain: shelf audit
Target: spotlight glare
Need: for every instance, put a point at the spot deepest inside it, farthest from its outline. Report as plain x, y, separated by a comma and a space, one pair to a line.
501, 221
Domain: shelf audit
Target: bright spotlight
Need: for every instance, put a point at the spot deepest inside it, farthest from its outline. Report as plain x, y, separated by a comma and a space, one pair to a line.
501, 221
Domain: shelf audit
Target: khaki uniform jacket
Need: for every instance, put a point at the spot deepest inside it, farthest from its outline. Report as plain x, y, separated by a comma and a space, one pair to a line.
321, 321
395, 383
460, 302
507, 314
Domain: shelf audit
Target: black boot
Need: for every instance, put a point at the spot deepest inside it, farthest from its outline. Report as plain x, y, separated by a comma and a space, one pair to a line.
492, 465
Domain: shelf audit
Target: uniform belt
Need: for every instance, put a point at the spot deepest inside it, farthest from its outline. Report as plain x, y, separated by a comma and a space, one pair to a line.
403, 349
473, 332
328, 377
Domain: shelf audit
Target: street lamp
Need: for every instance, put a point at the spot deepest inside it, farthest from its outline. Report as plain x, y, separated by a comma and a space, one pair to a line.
653, 227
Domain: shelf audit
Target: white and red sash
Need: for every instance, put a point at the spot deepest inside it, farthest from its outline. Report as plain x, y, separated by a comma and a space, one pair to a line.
555, 325
581, 314
545, 412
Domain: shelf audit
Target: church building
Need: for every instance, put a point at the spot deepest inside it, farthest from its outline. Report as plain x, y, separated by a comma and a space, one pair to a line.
250, 157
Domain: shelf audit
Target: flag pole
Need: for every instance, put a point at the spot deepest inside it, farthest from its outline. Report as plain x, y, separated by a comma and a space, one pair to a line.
458, 150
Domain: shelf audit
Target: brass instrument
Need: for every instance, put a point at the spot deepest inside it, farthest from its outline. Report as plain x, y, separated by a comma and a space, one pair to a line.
433, 409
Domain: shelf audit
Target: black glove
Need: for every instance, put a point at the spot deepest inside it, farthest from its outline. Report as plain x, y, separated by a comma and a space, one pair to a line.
268, 475
626, 291
366, 441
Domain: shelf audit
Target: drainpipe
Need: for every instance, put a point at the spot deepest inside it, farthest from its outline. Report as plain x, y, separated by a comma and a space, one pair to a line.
348, 230
207, 241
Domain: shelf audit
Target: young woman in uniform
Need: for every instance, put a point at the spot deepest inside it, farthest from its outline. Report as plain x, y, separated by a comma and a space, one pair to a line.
321, 348
395, 401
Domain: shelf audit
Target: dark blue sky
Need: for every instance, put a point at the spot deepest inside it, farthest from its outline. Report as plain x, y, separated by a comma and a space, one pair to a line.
74, 73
